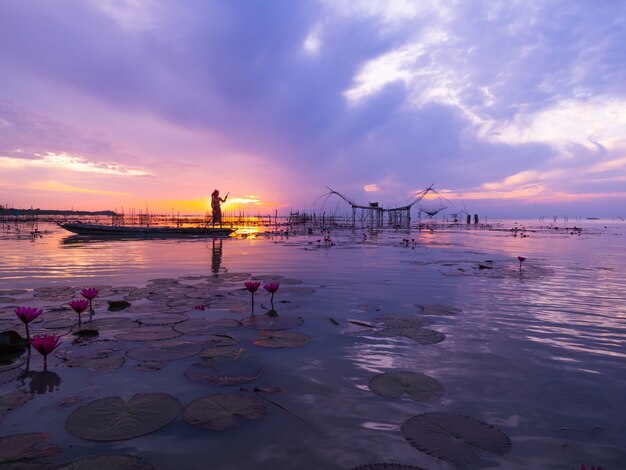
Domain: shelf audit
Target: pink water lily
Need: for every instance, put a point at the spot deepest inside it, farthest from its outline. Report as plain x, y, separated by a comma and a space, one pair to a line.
271, 287
199, 307
252, 286
90, 293
45, 344
26, 315
521, 260
79, 306
582, 467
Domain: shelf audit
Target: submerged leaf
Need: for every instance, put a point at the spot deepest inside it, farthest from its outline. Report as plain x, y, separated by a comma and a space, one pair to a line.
113, 419
218, 412
265, 322
281, 339
19, 447
419, 387
453, 437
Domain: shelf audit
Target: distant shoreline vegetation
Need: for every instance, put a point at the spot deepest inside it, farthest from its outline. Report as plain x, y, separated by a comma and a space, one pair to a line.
13, 211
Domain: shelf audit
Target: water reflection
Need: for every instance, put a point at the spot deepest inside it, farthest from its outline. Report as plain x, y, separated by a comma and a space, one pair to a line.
216, 255
43, 382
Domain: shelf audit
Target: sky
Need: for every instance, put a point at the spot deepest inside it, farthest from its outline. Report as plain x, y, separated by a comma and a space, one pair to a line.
511, 108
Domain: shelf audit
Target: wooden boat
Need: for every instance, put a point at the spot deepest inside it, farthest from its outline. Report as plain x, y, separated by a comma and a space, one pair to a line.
144, 231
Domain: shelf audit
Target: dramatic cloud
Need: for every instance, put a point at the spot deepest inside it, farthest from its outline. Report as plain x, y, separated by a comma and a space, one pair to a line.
518, 102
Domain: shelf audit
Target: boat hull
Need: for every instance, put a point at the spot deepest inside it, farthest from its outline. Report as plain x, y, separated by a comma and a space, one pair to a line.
145, 231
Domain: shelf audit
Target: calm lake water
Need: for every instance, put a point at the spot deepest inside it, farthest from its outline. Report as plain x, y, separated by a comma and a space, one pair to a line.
538, 353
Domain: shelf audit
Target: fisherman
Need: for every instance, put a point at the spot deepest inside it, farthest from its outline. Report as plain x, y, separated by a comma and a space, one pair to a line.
216, 206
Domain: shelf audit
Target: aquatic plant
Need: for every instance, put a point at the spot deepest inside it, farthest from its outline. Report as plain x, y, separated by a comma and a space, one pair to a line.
90, 294
271, 287
26, 315
582, 467
521, 260
199, 307
252, 286
45, 344
79, 306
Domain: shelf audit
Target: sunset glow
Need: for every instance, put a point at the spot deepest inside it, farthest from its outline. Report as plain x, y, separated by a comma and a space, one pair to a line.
159, 103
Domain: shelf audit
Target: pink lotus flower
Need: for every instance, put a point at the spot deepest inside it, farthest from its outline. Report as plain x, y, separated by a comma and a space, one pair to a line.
271, 287
199, 307
26, 315
252, 286
90, 293
79, 306
582, 467
45, 344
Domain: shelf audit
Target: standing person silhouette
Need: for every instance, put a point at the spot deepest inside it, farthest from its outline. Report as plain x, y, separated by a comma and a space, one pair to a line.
216, 207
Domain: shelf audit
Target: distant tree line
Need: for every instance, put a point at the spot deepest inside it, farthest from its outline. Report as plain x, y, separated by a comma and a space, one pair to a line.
13, 211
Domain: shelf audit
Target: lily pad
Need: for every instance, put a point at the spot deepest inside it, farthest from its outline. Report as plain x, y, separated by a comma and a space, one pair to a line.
265, 322
116, 462
110, 323
203, 326
419, 387
387, 466
59, 323
281, 339
163, 319
422, 336
149, 366
148, 333
13, 400
223, 352
403, 321
113, 419
167, 350
454, 438
218, 412
17, 448
231, 373
437, 310
117, 305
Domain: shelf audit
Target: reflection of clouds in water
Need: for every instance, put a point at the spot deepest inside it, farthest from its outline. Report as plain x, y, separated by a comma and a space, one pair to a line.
385, 354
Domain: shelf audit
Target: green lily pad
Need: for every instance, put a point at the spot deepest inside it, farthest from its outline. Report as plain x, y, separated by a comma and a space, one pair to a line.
113, 419
419, 387
167, 350
109, 462
281, 339
454, 438
265, 322
218, 412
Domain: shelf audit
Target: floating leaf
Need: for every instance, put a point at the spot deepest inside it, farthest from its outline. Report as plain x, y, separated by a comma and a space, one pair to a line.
218, 412
223, 352
387, 466
110, 462
117, 305
203, 326
438, 310
453, 437
17, 448
403, 321
419, 387
233, 373
149, 366
13, 400
265, 322
110, 324
113, 419
163, 319
422, 336
281, 339
148, 333
168, 350
90, 349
